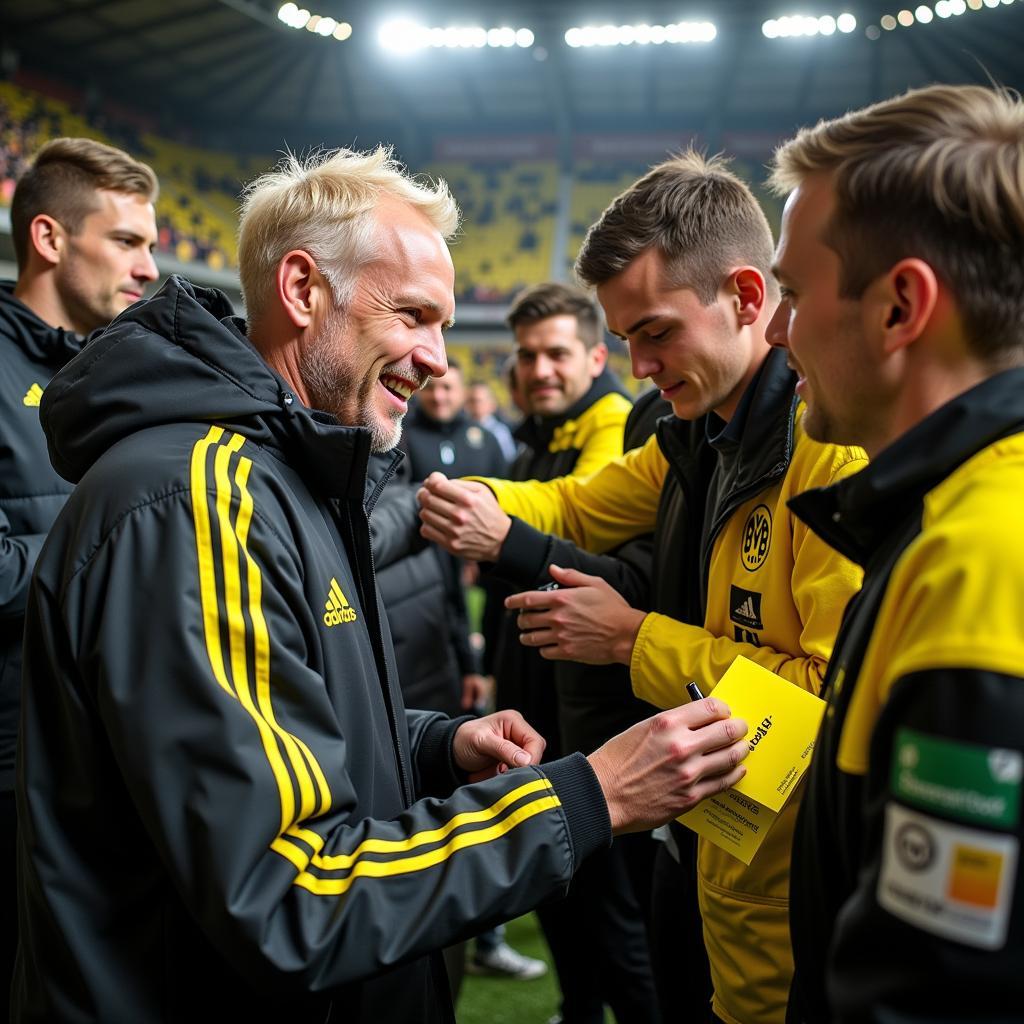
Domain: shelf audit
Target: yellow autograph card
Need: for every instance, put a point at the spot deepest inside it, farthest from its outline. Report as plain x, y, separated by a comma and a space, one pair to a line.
782, 723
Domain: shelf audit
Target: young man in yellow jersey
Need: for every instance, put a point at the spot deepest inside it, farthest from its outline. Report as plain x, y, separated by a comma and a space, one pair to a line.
902, 267
681, 263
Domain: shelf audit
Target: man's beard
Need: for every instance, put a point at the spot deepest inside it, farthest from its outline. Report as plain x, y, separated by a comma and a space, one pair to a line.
333, 384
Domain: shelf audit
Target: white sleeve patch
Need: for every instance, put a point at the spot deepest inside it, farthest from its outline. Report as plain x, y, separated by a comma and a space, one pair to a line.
947, 879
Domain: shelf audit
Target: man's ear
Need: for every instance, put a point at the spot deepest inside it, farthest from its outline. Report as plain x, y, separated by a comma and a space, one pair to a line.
48, 238
747, 290
905, 301
597, 357
301, 288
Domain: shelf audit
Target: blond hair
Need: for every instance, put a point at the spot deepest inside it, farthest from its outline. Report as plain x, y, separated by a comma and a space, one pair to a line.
62, 183
324, 205
701, 216
937, 174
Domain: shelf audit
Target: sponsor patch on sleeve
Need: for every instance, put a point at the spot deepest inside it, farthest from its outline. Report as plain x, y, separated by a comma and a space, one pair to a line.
965, 781
947, 879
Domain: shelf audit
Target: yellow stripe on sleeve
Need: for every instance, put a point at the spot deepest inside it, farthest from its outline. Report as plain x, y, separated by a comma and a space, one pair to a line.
340, 862
407, 865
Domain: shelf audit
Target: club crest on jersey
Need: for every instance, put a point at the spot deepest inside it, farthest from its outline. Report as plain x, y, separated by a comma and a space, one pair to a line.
757, 538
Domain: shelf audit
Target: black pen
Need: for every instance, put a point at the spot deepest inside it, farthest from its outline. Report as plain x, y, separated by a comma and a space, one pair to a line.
694, 691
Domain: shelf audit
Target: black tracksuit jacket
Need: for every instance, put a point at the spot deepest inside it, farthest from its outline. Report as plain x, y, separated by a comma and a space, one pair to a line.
31, 493
226, 812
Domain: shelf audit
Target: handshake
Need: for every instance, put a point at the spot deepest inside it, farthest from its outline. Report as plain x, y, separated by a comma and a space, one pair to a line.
652, 772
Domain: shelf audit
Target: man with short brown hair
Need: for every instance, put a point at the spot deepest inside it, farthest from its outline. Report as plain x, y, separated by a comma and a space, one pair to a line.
83, 229
680, 262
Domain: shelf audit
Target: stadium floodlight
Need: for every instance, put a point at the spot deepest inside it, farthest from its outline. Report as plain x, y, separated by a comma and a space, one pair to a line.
642, 34
923, 14
318, 24
403, 36
888, 22
803, 25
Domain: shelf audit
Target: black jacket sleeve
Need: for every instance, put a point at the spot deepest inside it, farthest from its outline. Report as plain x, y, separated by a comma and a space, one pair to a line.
527, 553
395, 524
18, 554
919, 939
202, 656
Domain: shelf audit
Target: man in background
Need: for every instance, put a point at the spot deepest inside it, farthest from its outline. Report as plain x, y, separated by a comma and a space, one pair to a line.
482, 407
83, 228
439, 434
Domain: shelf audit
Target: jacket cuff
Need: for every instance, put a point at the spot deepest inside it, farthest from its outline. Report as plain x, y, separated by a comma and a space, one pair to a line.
435, 752
524, 554
583, 803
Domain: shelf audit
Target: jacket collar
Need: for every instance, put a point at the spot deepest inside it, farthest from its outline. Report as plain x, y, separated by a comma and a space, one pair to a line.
37, 338
537, 431
418, 419
765, 436
856, 515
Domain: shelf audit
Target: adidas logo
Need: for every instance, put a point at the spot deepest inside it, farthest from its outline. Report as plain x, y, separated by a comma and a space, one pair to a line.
338, 609
745, 608
33, 395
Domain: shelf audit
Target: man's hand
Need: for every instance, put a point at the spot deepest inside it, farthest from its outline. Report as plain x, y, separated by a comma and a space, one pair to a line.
666, 765
476, 691
585, 620
489, 746
463, 516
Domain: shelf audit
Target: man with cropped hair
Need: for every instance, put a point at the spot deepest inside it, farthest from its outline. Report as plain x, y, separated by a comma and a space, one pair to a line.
901, 261
225, 808
680, 262
83, 229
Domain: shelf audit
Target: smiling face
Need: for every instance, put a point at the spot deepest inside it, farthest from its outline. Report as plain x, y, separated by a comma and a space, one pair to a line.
364, 362
105, 266
554, 369
695, 354
825, 335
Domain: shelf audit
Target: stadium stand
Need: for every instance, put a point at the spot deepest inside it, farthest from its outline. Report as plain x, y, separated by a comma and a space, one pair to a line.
198, 189
511, 212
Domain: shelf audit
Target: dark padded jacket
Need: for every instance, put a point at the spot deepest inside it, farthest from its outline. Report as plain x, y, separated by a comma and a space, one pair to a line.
458, 447
421, 589
226, 812
566, 702
910, 902
31, 493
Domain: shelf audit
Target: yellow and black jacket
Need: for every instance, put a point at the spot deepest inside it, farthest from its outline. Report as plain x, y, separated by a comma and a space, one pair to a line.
226, 812
741, 578
911, 898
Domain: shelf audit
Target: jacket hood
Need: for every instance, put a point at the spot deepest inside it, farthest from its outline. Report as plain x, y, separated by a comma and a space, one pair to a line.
182, 356
36, 337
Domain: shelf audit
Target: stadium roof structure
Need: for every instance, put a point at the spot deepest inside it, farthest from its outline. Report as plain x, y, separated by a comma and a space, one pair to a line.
236, 72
